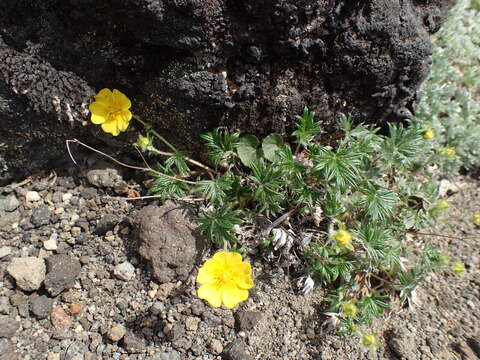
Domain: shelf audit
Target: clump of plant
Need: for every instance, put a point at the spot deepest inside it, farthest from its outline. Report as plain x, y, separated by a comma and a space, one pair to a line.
353, 208
450, 97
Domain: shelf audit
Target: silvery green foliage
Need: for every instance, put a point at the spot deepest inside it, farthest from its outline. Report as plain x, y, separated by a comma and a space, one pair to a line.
450, 98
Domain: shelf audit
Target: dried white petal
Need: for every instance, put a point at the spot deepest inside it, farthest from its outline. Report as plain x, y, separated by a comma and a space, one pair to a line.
306, 284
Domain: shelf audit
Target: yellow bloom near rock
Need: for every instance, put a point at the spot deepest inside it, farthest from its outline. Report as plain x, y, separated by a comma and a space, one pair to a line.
343, 239
111, 111
225, 280
370, 341
476, 219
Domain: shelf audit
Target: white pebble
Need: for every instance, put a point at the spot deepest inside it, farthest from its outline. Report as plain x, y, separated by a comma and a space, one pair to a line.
124, 271
66, 197
32, 196
51, 244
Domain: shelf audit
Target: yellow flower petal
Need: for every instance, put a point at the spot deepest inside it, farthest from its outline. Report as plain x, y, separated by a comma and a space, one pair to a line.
111, 128
121, 100
243, 278
97, 119
99, 108
104, 95
123, 119
232, 295
211, 294
206, 275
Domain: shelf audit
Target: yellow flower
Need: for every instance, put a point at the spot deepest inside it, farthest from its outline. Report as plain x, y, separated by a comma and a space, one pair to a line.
143, 142
344, 239
111, 110
350, 310
370, 341
476, 219
458, 268
429, 134
443, 204
225, 279
448, 152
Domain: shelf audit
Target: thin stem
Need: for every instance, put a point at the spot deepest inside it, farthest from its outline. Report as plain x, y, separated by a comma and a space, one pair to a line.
160, 137
284, 217
381, 279
149, 169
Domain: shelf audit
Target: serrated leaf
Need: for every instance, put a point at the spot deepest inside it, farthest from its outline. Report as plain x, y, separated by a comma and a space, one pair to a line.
248, 150
271, 146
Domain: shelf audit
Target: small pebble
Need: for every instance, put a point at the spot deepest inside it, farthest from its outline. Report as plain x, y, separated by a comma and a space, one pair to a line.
124, 271
117, 332
76, 307
32, 196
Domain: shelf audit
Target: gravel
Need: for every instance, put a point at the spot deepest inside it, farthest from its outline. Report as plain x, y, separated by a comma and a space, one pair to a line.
101, 298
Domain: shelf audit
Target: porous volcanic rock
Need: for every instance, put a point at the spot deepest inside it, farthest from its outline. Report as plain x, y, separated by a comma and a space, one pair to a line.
189, 65
167, 239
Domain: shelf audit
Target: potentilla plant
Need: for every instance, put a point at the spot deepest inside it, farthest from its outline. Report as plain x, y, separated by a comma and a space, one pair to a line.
353, 209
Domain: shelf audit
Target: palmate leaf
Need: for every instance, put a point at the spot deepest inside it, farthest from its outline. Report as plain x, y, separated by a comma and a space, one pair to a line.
378, 203
267, 185
166, 187
222, 143
372, 306
340, 168
306, 128
177, 160
218, 225
214, 191
402, 147
375, 240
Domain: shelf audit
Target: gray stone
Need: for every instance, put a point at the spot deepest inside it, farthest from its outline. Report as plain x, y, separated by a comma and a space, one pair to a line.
133, 343
177, 331
5, 305
167, 238
236, 350
41, 306
28, 272
40, 216
5, 251
246, 320
104, 177
169, 355
32, 196
8, 327
116, 332
9, 203
51, 243
106, 223
124, 271
7, 350
402, 343
76, 350
62, 273
9, 218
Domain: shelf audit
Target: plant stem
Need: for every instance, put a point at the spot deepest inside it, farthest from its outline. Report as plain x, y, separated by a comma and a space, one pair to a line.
149, 169
161, 138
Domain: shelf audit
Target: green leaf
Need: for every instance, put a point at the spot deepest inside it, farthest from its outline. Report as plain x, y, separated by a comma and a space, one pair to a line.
218, 225
248, 150
306, 128
222, 144
214, 191
272, 145
378, 203
167, 187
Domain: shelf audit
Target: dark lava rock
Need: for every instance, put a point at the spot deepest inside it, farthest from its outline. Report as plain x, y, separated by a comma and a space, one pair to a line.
41, 306
8, 327
40, 216
106, 223
236, 350
62, 270
246, 320
191, 65
167, 239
